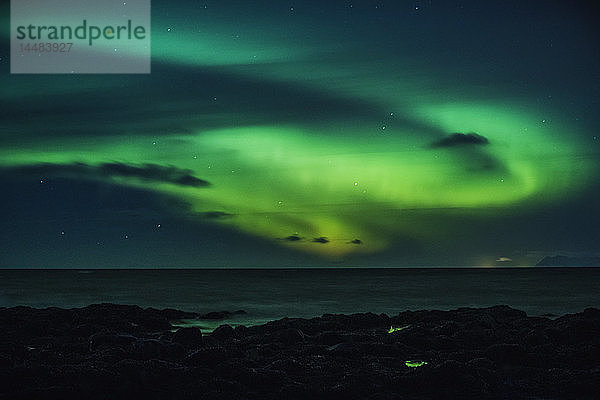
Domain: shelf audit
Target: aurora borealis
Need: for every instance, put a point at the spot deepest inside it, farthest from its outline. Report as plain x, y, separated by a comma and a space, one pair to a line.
313, 133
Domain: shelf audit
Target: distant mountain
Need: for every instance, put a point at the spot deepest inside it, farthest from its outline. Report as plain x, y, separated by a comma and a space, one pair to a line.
565, 261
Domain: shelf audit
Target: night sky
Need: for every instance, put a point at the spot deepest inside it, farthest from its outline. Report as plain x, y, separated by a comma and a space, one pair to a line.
313, 133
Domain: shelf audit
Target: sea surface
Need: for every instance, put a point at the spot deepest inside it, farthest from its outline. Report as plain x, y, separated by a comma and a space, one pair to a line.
267, 294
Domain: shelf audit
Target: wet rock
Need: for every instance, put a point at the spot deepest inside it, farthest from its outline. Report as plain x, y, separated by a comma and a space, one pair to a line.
128, 352
147, 349
288, 336
172, 351
329, 338
188, 336
454, 380
224, 332
481, 362
209, 356
5, 361
506, 353
241, 331
343, 348
99, 340
447, 328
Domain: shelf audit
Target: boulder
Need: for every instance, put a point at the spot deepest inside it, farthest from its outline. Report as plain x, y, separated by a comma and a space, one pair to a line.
188, 336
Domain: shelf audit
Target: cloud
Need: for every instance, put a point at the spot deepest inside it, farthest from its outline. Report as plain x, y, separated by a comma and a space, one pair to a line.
151, 172
459, 139
292, 238
321, 239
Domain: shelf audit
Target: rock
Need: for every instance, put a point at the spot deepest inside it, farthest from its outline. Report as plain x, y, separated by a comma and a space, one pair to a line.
5, 362
188, 336
224, 332
505, 313
343, 348
241, 331
172, 351
288, 336
329, 338
147, 349
536, 337
487, 353
454, 380
369, 320
447, 328
99, 340
506, 353
479, 363
206, 357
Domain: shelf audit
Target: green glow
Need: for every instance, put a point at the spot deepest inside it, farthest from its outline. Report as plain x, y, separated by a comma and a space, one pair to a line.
392, 329
279, 180
415, 364
343, 177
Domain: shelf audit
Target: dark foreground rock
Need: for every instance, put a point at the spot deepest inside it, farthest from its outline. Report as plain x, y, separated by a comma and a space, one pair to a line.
115, 352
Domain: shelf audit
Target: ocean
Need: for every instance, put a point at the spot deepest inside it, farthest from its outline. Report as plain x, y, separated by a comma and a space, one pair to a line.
267, 294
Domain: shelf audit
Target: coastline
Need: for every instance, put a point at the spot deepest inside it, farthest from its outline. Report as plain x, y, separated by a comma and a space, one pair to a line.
116, 351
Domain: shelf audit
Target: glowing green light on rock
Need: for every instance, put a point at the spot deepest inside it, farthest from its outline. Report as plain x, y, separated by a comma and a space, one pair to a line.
392, 329
415, 364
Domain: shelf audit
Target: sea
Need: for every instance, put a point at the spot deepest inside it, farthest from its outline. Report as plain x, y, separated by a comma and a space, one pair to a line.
269, 294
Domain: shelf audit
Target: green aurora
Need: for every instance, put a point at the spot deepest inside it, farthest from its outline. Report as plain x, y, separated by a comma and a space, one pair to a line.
347, 131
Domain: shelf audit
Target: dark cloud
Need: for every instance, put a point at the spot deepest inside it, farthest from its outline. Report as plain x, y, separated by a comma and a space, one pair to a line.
321, 239
458, 139
292, 238
152, 172
356, 241
216, 215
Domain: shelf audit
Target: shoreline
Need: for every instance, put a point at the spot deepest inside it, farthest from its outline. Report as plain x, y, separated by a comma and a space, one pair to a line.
117, 351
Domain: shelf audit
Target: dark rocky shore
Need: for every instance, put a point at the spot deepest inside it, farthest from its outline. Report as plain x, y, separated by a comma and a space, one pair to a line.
112, 351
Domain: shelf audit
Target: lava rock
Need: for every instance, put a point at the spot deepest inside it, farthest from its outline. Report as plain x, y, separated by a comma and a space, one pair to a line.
224, 332
506, 353
188, 336
112, 351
